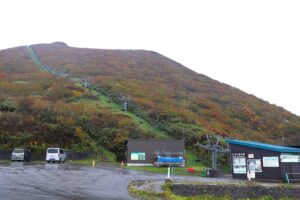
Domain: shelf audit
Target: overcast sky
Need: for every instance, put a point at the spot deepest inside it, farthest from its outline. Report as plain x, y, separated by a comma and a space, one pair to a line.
252, 45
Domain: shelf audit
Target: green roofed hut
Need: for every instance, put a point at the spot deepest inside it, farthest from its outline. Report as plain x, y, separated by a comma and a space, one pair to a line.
258, 160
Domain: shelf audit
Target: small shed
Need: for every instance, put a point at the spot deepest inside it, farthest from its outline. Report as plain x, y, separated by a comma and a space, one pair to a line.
143, 152
263, 161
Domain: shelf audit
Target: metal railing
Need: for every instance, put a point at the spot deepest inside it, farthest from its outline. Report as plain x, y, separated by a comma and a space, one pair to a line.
291, 177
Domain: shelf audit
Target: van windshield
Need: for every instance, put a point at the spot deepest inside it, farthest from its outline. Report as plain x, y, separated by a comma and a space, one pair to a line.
18, 151
52, 150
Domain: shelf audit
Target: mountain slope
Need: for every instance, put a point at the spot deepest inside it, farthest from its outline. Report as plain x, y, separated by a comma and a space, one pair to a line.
39, 109
172, 97
43, 104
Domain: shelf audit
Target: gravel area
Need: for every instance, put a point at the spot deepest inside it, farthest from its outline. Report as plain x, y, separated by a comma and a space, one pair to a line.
68, 181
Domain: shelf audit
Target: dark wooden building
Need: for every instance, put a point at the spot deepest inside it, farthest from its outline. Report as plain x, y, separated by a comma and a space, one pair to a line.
263, 161
141, 152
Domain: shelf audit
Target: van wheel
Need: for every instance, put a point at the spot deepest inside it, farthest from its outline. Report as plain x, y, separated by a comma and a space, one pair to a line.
48, 161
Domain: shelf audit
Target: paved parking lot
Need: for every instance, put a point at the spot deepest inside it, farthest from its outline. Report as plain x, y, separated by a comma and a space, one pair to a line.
68, 181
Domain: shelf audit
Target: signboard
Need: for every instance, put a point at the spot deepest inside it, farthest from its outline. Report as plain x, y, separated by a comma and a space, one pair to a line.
250, 174
238, 154
239, 165
270, 161
138, 156
258, 167
250, 155
290, 158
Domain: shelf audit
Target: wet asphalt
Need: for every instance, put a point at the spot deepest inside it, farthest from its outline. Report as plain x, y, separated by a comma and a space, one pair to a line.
69, 182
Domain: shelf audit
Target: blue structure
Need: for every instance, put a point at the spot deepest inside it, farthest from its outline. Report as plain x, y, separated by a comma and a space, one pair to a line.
169, 160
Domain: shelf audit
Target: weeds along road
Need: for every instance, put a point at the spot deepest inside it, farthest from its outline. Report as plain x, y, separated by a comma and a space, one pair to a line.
68, 181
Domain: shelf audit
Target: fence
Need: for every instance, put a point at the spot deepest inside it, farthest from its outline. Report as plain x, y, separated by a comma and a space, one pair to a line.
6, 155
290, 177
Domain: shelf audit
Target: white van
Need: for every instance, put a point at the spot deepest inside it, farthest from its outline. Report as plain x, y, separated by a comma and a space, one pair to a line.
20, 154
56, 155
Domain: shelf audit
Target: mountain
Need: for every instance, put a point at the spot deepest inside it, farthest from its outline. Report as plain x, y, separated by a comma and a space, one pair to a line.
151, 89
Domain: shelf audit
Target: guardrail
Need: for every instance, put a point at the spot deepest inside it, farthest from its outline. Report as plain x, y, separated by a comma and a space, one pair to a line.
292, 177
6, 155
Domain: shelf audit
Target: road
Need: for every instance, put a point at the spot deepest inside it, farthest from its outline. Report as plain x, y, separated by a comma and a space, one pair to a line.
70, 182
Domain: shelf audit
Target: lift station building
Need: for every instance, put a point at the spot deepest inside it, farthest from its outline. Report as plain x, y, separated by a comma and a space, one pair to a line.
263, 161
143, 152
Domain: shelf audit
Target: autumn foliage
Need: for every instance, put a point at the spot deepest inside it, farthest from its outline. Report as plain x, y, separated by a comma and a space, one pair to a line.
51, 110
174, 98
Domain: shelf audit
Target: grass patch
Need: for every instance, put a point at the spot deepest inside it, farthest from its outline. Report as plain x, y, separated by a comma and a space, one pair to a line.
167, 194
142, 194
164, 170
108, 156
90, 161
21, 82
172, 196
148, 127
144, 125
105, 157
191, 158
190, 163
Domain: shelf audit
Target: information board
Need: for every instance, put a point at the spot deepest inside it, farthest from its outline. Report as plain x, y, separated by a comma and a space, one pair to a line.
258, 167
271, 161
239, 165
290, 158
138, 156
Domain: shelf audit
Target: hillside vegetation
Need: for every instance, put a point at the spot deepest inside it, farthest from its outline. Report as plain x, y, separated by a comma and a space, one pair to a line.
39, 109
43, 102
170, 96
